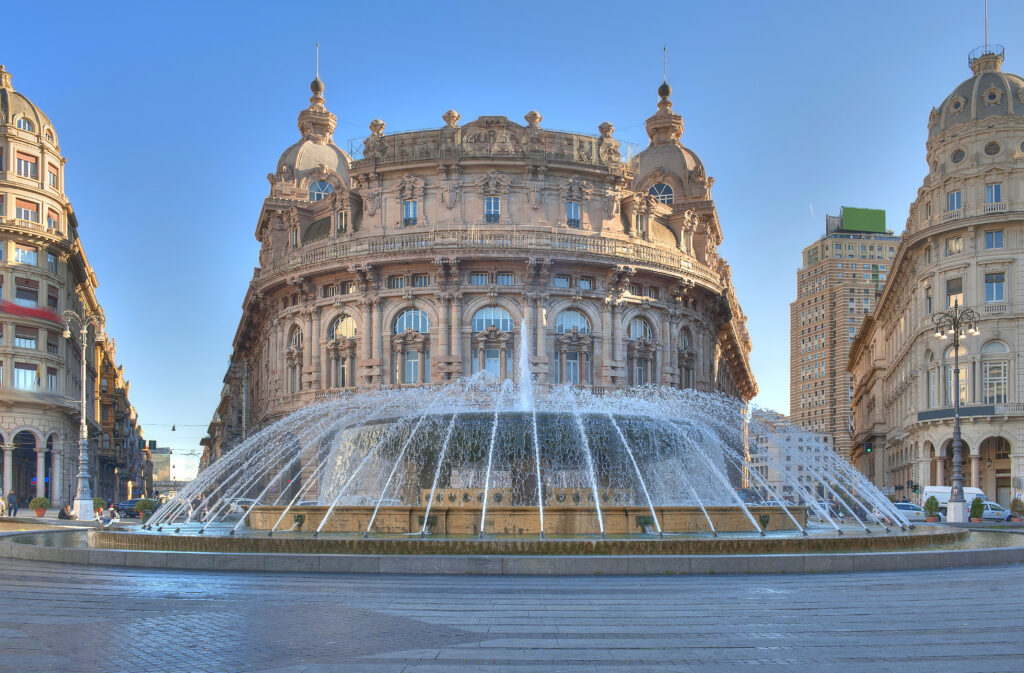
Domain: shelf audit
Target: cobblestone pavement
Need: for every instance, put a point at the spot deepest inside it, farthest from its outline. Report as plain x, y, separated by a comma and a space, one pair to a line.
56, 617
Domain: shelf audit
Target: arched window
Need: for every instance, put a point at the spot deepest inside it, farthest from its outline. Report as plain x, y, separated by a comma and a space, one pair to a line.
570, 320
687, 356
341, 352
320, 189
492, 341
49, 135
961, 386
640, 352
410, 348
662, 192
573, 348
25, 125
995, 373
293, 360
344, 326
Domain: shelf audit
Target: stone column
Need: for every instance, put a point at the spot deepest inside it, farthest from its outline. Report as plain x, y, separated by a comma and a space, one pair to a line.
975, 471
457, 327
502, 364
538, 332
316, 344
420, 374
584, 361
444, 331
666, 343
56, 479
613, 332
378, 340
8, 469
309, 346
41, 472
351, 369
480, 361
940, 471
367, 335
561, 369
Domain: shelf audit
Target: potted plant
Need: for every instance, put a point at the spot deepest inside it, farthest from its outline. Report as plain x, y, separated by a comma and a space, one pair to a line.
1017, 509
931, 509
145, 508
977, 511
40, 504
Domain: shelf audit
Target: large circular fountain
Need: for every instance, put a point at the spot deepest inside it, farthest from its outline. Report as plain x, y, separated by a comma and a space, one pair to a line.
478, 458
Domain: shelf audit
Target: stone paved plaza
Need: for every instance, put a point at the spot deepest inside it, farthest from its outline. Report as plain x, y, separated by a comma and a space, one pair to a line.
59, 617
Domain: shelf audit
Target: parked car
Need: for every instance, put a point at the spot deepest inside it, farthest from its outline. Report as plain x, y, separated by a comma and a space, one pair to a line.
913, 512
995, 512
127, 509
942, 494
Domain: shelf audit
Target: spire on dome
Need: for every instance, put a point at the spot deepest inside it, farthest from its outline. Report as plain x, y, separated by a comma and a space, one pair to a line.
665, 126
316, 122
5, 78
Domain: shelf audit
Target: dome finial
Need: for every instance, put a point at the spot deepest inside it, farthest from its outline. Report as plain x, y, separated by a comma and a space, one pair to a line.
317, 85
5, 78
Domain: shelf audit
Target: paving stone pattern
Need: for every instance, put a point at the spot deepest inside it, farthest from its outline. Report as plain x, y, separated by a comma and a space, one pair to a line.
56, 617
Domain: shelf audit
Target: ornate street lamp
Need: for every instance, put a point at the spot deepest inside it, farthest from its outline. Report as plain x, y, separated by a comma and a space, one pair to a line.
953, 322
83, 496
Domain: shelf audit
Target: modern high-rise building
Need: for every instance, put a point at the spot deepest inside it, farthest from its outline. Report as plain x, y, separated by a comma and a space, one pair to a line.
836, 285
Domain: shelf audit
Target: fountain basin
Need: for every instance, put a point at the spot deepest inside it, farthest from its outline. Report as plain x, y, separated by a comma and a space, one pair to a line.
511, 520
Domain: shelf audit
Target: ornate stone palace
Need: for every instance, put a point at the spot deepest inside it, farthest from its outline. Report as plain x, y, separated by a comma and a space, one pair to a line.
416, 263
44, 271
963, 244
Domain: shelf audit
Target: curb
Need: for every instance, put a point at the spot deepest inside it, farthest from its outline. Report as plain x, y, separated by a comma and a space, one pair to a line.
515, 565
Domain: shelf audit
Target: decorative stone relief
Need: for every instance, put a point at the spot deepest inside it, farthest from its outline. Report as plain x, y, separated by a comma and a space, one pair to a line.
493, 183
410, 188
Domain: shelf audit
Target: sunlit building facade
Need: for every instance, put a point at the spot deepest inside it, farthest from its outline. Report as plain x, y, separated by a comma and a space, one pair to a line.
417, 261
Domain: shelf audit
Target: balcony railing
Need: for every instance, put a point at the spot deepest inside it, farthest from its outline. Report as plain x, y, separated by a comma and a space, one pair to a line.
1001, 207
950, 215
491, 241
995, 308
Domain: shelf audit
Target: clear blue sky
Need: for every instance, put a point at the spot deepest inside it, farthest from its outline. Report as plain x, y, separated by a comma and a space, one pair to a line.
172, 114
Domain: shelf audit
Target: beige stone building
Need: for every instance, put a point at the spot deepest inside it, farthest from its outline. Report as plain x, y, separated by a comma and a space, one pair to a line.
416, 262
44, 271
836, 285
963, 243
774, 443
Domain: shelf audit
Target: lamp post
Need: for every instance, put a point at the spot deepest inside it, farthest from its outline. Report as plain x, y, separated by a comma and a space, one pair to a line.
953, 322
83, 495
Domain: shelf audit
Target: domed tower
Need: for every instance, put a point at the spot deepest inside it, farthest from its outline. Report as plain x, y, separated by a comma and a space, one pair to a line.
44, 271
963, 243
418, 261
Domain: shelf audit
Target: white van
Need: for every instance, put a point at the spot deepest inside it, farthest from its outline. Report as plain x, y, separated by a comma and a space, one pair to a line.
941, 494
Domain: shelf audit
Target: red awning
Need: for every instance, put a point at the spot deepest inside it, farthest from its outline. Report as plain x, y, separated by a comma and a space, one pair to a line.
41, 313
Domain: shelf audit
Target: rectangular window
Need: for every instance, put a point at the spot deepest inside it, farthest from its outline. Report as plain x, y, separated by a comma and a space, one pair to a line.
993, 239
330, 290
994, 287
640, 225
26, 255
572, 214
52, 295
26, 210
343, 222
506, 278
103, 385
954, 292
348, 287
409, 213
52, 221
52, 176
928, 255
105, 414
928, 302
26, 292
953, 201
586, 283
561, 281
25, 337
3, 204
51, 379
994, 193
420, 280
954, 245
652, 292
492, 209
479, 278
995, 376
28, 166
636, 290
26, 377
51, 262
52, 344
396, 282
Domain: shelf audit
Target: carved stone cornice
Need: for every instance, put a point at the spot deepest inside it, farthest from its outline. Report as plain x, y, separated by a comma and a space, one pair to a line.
410, 340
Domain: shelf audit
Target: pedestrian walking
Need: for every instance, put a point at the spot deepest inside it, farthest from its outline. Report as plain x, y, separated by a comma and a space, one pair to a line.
12, 504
